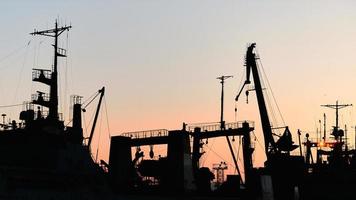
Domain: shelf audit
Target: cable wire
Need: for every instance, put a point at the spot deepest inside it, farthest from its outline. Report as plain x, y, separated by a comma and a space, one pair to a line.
107, 117
15, 51
21, 70
269, 85
13, 105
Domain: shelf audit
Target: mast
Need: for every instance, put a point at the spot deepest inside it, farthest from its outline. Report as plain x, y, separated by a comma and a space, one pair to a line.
336, 106
222, 78
51, 80
222, 123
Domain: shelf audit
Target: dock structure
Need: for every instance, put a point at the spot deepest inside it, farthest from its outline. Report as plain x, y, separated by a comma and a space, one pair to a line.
182, 159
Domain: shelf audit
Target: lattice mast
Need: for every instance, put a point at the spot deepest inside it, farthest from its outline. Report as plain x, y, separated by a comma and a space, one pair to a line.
52, 80
337, 107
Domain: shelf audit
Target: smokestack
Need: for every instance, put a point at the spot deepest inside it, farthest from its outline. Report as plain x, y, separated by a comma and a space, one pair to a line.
77, 116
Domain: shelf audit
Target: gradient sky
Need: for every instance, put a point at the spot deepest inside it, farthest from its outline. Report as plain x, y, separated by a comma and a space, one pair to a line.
159, 59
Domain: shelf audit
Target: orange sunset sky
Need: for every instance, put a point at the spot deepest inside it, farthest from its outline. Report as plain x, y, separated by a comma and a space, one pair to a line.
159, 61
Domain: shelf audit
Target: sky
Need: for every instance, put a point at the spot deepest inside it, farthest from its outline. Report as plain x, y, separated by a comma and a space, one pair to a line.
159, 60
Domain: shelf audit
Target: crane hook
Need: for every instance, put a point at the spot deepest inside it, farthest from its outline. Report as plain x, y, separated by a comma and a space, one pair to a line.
151, 152
247, 92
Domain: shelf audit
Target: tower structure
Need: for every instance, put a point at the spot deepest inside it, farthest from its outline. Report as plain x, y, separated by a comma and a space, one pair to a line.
50, 77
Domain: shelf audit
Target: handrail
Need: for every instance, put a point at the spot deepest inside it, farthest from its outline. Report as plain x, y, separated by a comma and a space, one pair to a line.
217, 126
146, 134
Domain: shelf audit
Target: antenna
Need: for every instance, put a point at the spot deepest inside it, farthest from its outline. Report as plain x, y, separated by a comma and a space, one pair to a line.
337, 134
336, 106
222, 122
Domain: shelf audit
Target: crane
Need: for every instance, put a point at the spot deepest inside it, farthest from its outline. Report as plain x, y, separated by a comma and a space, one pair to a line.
271, 146
101, 92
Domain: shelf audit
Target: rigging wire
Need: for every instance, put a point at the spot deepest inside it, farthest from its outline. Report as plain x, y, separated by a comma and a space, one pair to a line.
15, 51
97, 150
235, 111
269, 85
66, 76
271, 111
107, 118
268, 100
207, 153
90, 99
85, 127
107, 122
34, 55
16, 59
13, 105
37, 55
238, 151
91, 119
258, 142
240, 85
21, 70
242, 77
223, 159
60, 95
235, 150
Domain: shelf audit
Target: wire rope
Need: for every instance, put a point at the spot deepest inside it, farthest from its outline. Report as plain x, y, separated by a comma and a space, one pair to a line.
269, 85
107, 117
15, 51
99, 137
13, 105
21, 71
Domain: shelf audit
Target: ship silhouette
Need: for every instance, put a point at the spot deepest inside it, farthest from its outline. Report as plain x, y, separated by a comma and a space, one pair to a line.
40, 157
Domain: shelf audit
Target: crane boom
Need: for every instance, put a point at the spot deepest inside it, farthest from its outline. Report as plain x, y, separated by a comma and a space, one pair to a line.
251, 66
101, 91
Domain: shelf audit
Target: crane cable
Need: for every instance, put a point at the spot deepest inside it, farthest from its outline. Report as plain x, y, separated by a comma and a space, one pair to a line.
270, 111
235, 111
240, 85
268, 100
107, 118
86, 128
91, 119
91, 99
269, 85
98, 148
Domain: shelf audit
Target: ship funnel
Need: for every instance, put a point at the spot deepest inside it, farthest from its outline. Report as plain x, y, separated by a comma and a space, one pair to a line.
76, 131
77, 112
